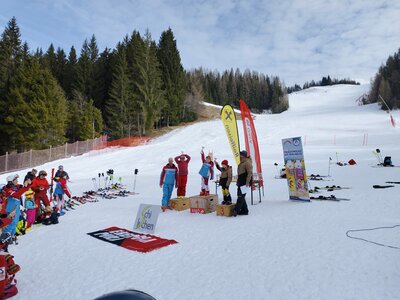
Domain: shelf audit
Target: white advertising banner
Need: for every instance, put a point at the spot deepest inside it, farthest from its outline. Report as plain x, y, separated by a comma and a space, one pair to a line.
295, 169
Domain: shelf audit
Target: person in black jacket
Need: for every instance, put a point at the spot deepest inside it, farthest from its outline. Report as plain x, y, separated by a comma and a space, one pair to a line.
245, 174
59, 172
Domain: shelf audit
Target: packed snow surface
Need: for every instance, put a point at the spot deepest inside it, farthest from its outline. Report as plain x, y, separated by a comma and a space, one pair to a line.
281, 250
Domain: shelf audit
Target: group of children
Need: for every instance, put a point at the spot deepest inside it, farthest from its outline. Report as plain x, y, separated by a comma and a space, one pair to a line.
177, 175
21, 205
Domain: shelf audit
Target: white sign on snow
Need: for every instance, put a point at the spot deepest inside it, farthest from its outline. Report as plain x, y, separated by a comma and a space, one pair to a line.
146, 218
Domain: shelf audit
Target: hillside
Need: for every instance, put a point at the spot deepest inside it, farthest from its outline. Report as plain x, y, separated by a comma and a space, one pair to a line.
281, 250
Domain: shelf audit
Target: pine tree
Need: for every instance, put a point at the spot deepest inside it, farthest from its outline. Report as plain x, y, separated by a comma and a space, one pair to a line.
36, 111
85, 120
118, 107
173, 76
70, 73
149, 83
102, 80
10, 54
50, 60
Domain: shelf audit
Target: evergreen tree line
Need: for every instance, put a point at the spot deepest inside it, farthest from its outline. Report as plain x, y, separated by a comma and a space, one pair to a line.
53, 96
386, 84
323, 82
48, 98
259, 91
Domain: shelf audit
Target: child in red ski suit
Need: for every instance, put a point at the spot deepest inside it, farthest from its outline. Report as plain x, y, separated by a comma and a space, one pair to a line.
182, 161
40, 185
206, 172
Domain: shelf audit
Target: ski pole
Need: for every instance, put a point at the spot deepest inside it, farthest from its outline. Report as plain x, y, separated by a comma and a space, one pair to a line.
337, 158
134, 181
379, 156
329, 167
277, 171
99, 181
94, 183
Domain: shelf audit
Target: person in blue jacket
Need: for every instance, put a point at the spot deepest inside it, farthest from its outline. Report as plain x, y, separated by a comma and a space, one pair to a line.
168, 178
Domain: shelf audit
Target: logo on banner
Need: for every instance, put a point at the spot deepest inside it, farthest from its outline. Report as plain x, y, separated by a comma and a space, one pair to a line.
146, 218
131, 240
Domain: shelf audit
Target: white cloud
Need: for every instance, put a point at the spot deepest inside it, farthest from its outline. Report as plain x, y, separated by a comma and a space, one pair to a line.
296, 40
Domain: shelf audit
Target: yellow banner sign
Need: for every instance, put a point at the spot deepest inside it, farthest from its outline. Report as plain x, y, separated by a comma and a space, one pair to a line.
229, 120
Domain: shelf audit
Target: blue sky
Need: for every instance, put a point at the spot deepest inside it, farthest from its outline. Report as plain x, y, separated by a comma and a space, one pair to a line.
296, 40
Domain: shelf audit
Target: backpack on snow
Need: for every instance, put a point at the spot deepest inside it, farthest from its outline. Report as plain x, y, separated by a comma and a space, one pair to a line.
387, 161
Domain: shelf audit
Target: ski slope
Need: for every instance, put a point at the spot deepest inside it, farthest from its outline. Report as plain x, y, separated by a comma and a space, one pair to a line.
281, 250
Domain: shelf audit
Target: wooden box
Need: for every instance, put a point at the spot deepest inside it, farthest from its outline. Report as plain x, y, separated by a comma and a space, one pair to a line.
203, 204
179, 203
225, 210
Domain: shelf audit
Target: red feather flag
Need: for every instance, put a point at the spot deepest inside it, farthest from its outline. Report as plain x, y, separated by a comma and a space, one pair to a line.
250, 136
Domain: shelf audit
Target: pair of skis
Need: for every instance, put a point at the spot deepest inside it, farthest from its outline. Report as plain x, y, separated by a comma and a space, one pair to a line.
330, 198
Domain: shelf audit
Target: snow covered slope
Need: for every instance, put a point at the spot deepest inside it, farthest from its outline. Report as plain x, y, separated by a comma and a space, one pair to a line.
282, 250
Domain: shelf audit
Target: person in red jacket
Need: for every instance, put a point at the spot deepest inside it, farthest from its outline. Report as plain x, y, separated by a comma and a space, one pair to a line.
40, 185
182, 161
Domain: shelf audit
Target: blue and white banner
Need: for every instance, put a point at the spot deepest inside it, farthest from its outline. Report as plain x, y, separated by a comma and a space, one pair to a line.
295, 169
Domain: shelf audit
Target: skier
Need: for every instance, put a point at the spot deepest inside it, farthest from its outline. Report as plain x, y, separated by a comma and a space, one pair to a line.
168, 179
182, 161
225, 180
60, 190
13, 192
40, 185
206, 172
245, 173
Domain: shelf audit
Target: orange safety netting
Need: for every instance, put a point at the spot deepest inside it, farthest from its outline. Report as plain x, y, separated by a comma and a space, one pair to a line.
125, 142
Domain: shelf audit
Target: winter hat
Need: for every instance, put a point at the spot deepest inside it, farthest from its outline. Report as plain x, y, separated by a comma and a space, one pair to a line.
42, 172
224, 162
243, 153
29, 194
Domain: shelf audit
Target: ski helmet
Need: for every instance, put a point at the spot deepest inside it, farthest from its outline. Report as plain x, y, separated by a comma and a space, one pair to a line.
42, 173
126, 295
11, 178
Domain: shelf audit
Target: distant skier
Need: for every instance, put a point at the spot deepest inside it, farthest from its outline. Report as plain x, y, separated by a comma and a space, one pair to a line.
225, 180
168, 179
245, 173
206, 172
182, 161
